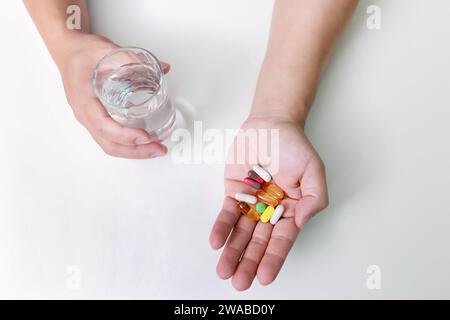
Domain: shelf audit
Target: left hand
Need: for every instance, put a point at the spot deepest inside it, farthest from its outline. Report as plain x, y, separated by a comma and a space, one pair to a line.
255, 249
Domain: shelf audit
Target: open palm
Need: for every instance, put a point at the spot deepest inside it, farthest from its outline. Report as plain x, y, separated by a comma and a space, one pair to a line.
256, 249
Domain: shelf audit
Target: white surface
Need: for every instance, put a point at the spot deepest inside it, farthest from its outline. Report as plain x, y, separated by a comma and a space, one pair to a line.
380, 122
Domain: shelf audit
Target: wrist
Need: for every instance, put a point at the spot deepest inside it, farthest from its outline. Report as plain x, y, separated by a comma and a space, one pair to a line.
76, 43
62, 46
283, 93
275, 109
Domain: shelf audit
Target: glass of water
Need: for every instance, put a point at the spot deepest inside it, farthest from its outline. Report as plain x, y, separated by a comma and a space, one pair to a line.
130, 84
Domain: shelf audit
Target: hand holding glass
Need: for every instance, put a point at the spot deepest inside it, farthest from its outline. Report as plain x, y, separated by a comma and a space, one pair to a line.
130, 84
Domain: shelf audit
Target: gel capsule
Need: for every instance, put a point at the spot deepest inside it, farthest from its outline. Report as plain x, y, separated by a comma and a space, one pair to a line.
252, 183
262, 173
267, 214
274, 190
248, 211
252, 174
267, 198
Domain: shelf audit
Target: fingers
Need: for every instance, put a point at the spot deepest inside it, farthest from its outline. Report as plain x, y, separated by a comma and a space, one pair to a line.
117, 140
314, 193
165, 67
102, 125
283, 236
113, 131
234, 248
266, 248
147, 151
252, 248
225, 222
246, 270
229, 214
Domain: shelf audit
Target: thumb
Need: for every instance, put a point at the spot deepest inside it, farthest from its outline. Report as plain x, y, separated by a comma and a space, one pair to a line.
165, 67
306, 208
314, 193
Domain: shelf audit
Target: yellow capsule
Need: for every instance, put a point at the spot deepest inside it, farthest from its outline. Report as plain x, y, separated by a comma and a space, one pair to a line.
267, 214
274, 190
248, 211
267, 198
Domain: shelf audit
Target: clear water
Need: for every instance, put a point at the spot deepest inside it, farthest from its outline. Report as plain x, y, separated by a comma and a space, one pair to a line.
130, 85
135, 97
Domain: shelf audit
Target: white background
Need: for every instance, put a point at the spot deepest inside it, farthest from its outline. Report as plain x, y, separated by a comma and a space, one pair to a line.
139, 229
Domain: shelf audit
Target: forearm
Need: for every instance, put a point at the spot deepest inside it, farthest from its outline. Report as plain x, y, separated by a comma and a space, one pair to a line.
50, 17
302, 38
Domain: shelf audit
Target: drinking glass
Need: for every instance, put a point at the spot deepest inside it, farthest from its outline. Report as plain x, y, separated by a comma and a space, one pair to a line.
131, 85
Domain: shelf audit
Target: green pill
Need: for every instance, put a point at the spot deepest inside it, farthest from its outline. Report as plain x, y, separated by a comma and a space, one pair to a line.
260, 207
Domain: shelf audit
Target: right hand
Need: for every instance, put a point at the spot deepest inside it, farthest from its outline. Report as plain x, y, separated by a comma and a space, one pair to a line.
115, 139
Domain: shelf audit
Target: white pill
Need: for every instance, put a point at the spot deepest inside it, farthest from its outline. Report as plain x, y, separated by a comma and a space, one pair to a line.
277, 214
262, 173
245, 197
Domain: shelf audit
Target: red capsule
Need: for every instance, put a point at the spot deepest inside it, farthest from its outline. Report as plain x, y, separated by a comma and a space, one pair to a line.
252, 174
252, 183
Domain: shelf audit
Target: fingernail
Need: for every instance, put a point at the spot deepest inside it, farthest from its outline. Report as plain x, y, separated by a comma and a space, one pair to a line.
161, 153
142, 140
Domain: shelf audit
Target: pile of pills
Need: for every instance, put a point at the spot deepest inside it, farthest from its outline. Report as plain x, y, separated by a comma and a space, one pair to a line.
264, 205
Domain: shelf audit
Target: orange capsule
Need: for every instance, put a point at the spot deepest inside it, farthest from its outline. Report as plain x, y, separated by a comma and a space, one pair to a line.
274, 190
248, 211
267, 198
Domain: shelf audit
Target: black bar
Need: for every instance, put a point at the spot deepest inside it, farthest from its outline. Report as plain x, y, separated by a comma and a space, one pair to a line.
228, 309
